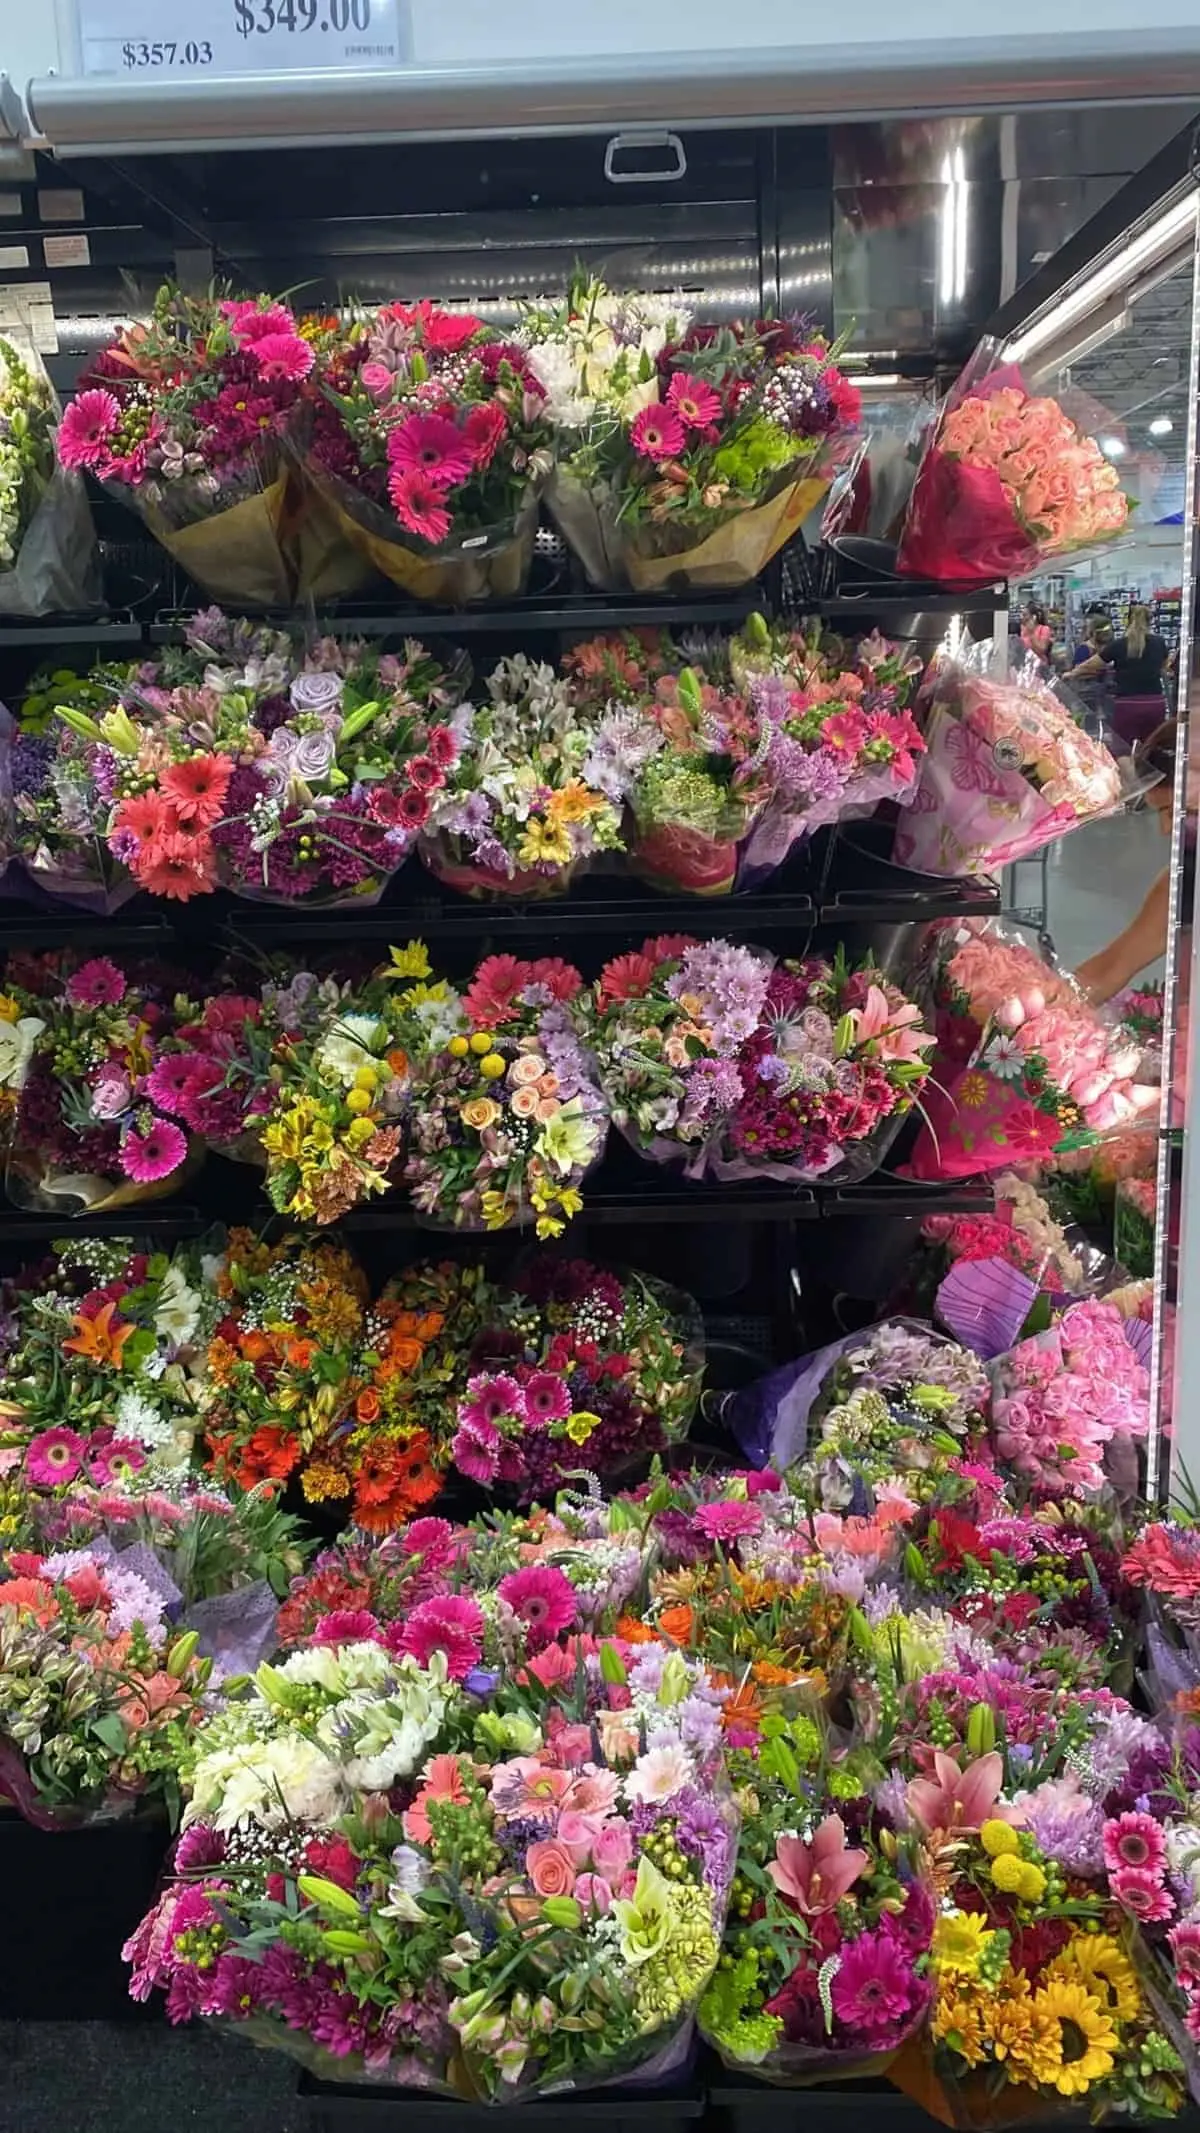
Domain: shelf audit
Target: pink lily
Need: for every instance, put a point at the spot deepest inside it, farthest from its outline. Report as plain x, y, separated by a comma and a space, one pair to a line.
892, 1026
816, 1876
957, 1799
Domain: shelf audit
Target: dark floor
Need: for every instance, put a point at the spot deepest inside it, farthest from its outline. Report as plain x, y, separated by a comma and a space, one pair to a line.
110, 2077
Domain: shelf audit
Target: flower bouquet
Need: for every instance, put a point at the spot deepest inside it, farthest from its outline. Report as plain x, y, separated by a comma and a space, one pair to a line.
184, 420
88, 1135
280, 1366
429, 443
96, 1692
825, 1971
1135, 1210
1036, 2001
891, 1404
47, 542
580, 1372
596, 357
710, 478
523, 810
1006, 482
1061, 1397
693, 763
507, 1119
1030, 1068
334, 765
62, 774
713, 1057
492, 1892
310, 1079
102, 1353
1006, 770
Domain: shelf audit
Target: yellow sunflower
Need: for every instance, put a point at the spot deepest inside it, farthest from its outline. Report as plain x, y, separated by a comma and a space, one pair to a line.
1099, 1963
960, 1942
1087, 2040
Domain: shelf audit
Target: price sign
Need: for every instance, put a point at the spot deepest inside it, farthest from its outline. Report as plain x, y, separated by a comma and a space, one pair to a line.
152, 38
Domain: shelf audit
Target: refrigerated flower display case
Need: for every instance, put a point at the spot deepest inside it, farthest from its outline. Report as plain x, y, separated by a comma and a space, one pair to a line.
596, 1359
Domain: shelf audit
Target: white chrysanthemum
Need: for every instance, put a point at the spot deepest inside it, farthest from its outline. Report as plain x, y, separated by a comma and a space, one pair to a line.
267, 1782
354, 1041
139, 1418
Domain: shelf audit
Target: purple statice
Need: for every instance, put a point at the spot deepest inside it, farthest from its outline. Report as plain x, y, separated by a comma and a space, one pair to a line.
105, 766
514, 1838
30, 758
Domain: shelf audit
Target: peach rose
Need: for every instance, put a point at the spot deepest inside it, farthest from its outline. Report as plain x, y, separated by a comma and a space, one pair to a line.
547, 1107
529, 1067
481, 1112
550, 1867
525, 1102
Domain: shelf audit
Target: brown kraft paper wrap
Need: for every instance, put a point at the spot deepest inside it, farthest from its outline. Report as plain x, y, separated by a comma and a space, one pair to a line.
585, 514
736, 552
494, 570
328, 565
237, 555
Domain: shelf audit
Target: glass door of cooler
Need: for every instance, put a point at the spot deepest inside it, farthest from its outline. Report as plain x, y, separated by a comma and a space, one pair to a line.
1109, 331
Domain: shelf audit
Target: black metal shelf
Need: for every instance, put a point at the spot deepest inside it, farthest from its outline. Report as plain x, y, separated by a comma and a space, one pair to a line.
106, 632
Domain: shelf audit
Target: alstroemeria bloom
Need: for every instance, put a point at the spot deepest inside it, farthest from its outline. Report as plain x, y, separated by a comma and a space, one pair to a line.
816, 1876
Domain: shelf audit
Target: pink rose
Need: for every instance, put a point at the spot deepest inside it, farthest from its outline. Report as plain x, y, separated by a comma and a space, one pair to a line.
550, 1867
376, 379
577, 1833
625, 1887
112, 1093
592, 1891
572, 1746
612, 1850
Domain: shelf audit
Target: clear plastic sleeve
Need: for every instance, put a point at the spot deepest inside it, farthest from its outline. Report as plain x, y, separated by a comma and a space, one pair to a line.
55, 567
237, 552
1006, 771
1007, 480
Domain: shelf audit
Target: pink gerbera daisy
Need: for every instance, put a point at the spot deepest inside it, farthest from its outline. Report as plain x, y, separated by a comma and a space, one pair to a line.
348, 1625
283, 355
546, 1399
1141, 1894
489, 997
451, 1623
491, 1399
86, 427
1135, 1840
433, 446
657, 433
475, 1450
875, 1990
116, 1462
417, 503
252, 322
695, 403
54, 1457
727, 1521
154, 1152
544, 1600
172, 1081
97, 983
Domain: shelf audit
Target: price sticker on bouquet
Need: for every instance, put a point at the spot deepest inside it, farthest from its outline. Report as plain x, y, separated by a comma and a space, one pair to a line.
153, 39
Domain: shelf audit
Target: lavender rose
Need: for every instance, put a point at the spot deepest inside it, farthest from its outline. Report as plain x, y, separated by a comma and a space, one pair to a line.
316, 692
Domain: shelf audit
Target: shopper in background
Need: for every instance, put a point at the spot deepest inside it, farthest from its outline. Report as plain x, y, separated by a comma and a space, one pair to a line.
1144, 941
1138, 661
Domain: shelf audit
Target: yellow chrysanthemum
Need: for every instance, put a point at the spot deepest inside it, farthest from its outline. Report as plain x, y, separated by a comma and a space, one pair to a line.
9, 1008
411, 961
960, 1941
958, 2022
1008, 1873
998, 1838
1100, 1964
1087, 2040
319, 1482
574, 803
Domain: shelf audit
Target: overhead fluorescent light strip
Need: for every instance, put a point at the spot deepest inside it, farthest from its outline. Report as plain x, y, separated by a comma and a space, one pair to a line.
1116, 274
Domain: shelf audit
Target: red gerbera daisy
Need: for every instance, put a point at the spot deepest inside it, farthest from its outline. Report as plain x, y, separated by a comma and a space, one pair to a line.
417, 503
483, 428
197, 788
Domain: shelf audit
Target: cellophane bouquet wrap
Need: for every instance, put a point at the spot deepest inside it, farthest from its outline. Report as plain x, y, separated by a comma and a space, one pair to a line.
705, 482
1061, 1398
1025, 1066
507, 1117
48, 562
427, 441
581, 1371
524, 809
185, 419
1007, 481
475, 1888
1006, 770
1162, 1563
693, 763
891, 1401
717, 1058
1135, 1212
79, 1044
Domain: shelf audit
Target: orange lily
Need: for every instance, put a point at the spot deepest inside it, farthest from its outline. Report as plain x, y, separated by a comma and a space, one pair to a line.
97, 1339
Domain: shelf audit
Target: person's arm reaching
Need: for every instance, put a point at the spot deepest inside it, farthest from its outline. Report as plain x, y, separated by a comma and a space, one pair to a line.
1143, 942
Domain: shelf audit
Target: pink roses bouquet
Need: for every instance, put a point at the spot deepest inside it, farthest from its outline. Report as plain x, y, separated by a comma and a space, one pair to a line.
1006, 770
1061, 1397
1007, 480
1027, 1066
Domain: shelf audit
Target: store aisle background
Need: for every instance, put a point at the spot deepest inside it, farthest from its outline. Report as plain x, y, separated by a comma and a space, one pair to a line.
1096, 880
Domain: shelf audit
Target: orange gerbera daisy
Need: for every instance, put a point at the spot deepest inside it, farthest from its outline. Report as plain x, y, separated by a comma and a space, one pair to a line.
631, 1631
393, 1481
270, 1455
743, 1708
